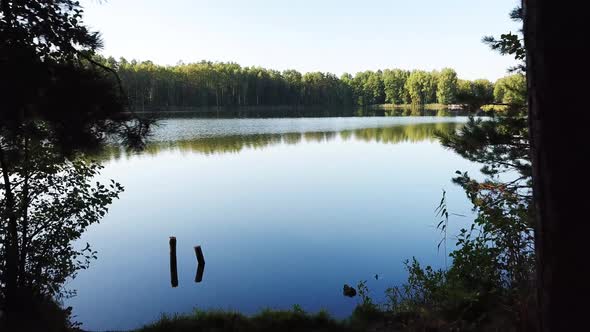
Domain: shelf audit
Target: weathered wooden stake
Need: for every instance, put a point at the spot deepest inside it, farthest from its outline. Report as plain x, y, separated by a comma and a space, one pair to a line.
201, 264
199, 253
173, 265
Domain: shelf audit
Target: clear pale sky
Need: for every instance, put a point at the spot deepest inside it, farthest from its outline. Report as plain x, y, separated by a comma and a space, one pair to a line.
308, 35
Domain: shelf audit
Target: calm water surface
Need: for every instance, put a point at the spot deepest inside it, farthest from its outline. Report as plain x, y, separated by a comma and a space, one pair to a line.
286, 210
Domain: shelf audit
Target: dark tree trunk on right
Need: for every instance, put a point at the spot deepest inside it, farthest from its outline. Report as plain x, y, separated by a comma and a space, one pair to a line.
558, 56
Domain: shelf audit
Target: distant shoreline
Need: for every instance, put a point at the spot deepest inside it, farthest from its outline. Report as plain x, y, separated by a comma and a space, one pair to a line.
298, 109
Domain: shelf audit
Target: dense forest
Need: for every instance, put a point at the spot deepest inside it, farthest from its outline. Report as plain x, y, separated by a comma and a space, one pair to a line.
218, 84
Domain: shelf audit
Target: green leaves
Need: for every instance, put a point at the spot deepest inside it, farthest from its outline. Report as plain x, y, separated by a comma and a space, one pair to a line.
421, 87
494, 257
508, 44
394, 84
446, 90
511, 90
441, 211
475, 93
206, 84
56, 200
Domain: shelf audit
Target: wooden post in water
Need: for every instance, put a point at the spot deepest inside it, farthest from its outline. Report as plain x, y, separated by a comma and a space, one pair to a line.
173, 265
199, 253
201, 264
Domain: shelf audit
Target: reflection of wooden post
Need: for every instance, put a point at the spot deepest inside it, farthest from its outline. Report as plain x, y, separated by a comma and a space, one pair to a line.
201, 264
200, 270
173, 266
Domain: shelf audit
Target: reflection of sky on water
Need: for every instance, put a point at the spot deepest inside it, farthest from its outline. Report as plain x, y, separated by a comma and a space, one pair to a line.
287, 224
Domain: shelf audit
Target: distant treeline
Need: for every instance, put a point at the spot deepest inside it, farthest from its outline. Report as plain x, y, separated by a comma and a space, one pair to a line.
218, 84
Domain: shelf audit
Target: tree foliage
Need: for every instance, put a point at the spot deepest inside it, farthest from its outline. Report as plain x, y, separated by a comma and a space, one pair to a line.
490, 283
394, 82
511, 90
475, 93
421, 87
446, 90
510, 43
51, 200
56, 102
218, 84
48, 73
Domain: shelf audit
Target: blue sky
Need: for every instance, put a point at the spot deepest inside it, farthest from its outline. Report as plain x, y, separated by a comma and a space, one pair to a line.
309, 35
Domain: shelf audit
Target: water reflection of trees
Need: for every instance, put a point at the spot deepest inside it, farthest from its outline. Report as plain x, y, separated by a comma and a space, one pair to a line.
412, 133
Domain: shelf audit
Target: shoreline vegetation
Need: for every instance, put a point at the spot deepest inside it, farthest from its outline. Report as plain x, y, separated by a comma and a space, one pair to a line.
291, 111
266, 320
295, 319
206, 109
209, 84
308, 112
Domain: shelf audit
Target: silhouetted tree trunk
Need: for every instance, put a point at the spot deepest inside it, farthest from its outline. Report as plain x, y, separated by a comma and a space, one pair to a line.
557, 62
11, 242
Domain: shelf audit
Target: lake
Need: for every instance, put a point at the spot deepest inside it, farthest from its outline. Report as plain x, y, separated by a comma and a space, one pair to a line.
287, 210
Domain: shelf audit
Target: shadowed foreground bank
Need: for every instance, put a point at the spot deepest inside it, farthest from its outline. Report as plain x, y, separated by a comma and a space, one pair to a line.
293, 320
278, 320
364, 318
